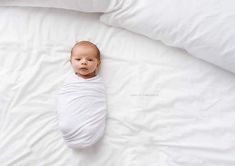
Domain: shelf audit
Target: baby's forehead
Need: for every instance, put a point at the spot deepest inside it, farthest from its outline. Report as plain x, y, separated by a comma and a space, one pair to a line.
85, 46
84, 54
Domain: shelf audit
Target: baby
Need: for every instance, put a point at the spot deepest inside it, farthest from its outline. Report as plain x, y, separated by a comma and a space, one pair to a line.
81, 102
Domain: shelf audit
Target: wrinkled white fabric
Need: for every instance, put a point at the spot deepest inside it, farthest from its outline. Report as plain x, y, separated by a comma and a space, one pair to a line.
205, 29
81, 109
77, 5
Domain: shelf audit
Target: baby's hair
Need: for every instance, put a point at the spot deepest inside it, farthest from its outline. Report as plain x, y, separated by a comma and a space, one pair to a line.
84, 42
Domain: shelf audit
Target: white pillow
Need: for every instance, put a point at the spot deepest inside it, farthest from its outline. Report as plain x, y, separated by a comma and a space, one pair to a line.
78, 5
204, 28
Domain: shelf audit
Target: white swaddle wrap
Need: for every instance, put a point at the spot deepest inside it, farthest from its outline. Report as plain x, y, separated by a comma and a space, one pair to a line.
81, 109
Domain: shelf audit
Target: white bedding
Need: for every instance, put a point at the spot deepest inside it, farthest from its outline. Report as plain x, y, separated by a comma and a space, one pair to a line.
205, 29
165, 108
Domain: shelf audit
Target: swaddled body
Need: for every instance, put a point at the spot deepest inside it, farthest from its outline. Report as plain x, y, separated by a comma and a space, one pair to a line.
81, 110
81, 102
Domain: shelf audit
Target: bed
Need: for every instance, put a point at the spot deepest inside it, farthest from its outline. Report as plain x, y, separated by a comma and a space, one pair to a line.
170, 81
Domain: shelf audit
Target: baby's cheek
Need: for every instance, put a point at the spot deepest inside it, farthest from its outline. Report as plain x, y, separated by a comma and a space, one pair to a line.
94, 68
75, 68
75, 64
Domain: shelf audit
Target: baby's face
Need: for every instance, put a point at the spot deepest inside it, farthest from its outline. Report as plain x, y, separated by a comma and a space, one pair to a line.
84, 61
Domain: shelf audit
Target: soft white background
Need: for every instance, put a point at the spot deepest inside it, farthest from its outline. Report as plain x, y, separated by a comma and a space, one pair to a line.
164, 107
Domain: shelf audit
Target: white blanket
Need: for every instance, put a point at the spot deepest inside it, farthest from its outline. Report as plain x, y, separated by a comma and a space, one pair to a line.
81, 108
165, 108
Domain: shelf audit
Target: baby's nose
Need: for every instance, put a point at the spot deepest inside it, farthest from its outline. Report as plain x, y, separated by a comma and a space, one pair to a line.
83, 61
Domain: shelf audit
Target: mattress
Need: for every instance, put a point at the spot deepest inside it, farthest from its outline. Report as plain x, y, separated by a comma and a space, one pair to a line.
165, 107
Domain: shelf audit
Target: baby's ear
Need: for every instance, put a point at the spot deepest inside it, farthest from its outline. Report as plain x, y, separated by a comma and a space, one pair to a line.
98, 65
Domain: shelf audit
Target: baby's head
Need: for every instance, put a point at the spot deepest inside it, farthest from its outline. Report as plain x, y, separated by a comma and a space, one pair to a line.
85, 59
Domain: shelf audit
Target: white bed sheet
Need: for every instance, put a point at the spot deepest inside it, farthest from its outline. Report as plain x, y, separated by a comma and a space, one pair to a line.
165, 108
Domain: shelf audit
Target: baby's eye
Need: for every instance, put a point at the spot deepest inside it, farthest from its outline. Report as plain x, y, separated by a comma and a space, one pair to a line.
90, 59
78, 59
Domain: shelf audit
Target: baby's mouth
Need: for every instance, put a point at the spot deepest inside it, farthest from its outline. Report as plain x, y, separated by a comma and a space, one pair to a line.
83, 68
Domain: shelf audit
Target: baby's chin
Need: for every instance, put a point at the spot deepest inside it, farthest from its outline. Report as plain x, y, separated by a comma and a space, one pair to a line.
86, 75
